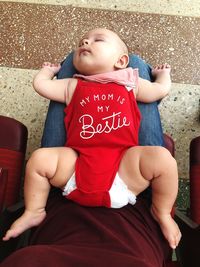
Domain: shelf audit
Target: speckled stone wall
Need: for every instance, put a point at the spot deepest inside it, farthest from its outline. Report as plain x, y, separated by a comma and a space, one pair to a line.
39, 33
35, 32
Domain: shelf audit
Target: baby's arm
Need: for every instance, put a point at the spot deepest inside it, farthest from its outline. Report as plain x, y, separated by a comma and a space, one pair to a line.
152, 91
50, 88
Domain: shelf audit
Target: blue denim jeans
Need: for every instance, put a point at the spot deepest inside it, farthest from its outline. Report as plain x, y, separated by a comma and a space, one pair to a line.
150, 129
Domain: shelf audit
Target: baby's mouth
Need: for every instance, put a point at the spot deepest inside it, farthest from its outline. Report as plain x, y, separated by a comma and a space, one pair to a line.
84, 51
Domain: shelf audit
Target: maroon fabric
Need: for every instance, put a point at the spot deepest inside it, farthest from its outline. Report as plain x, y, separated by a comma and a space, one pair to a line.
194, 193
74, 235
13, 134
169, 144
195, 179
13, 140
3, 182
194, 151
13, 162
173, 264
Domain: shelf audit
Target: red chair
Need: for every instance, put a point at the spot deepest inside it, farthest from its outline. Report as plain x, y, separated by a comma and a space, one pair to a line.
13, 140
189, 222
195, 179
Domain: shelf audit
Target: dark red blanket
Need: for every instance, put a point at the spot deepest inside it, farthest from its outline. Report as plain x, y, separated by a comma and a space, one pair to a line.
73, 236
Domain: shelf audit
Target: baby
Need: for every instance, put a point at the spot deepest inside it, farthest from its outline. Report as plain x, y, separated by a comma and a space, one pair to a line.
101, 163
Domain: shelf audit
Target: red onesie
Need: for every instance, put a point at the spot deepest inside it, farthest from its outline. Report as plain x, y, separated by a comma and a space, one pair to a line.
102, 122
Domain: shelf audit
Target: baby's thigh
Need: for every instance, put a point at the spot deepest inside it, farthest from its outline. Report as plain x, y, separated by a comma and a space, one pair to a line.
57, 164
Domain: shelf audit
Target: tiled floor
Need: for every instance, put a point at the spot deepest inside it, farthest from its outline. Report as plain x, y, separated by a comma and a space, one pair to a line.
34, 31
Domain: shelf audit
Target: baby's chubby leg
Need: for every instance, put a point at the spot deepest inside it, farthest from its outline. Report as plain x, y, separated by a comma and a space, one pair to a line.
154, 165
46, 167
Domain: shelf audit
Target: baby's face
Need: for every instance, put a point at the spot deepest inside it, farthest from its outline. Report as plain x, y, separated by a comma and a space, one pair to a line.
98, 52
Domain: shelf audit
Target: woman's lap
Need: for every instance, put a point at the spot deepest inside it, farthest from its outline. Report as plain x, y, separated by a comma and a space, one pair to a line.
73, 235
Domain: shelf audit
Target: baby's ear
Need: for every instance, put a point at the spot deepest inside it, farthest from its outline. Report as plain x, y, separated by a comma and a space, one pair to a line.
122, 62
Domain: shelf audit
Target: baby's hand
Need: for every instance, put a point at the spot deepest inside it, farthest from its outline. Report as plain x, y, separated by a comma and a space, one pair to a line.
161, 69
53, 67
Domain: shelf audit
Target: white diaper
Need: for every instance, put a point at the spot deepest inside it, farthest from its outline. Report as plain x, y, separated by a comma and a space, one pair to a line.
120, 195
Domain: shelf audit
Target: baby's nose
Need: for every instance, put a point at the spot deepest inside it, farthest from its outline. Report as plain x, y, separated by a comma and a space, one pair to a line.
85, 42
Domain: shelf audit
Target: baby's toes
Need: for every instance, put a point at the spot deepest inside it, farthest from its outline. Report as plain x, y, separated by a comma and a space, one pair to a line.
178, 238
175, 240
166, 66
46, 64
9, 234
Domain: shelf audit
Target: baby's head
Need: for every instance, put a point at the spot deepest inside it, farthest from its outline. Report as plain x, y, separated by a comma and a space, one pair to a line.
100, 50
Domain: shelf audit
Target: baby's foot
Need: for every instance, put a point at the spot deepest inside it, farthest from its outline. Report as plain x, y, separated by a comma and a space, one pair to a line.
161, 69
27, 220
169, 228
53, 67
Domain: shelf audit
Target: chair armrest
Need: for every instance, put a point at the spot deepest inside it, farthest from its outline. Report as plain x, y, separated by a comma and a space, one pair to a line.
7, 217
188, 250
182, 218
3, 182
